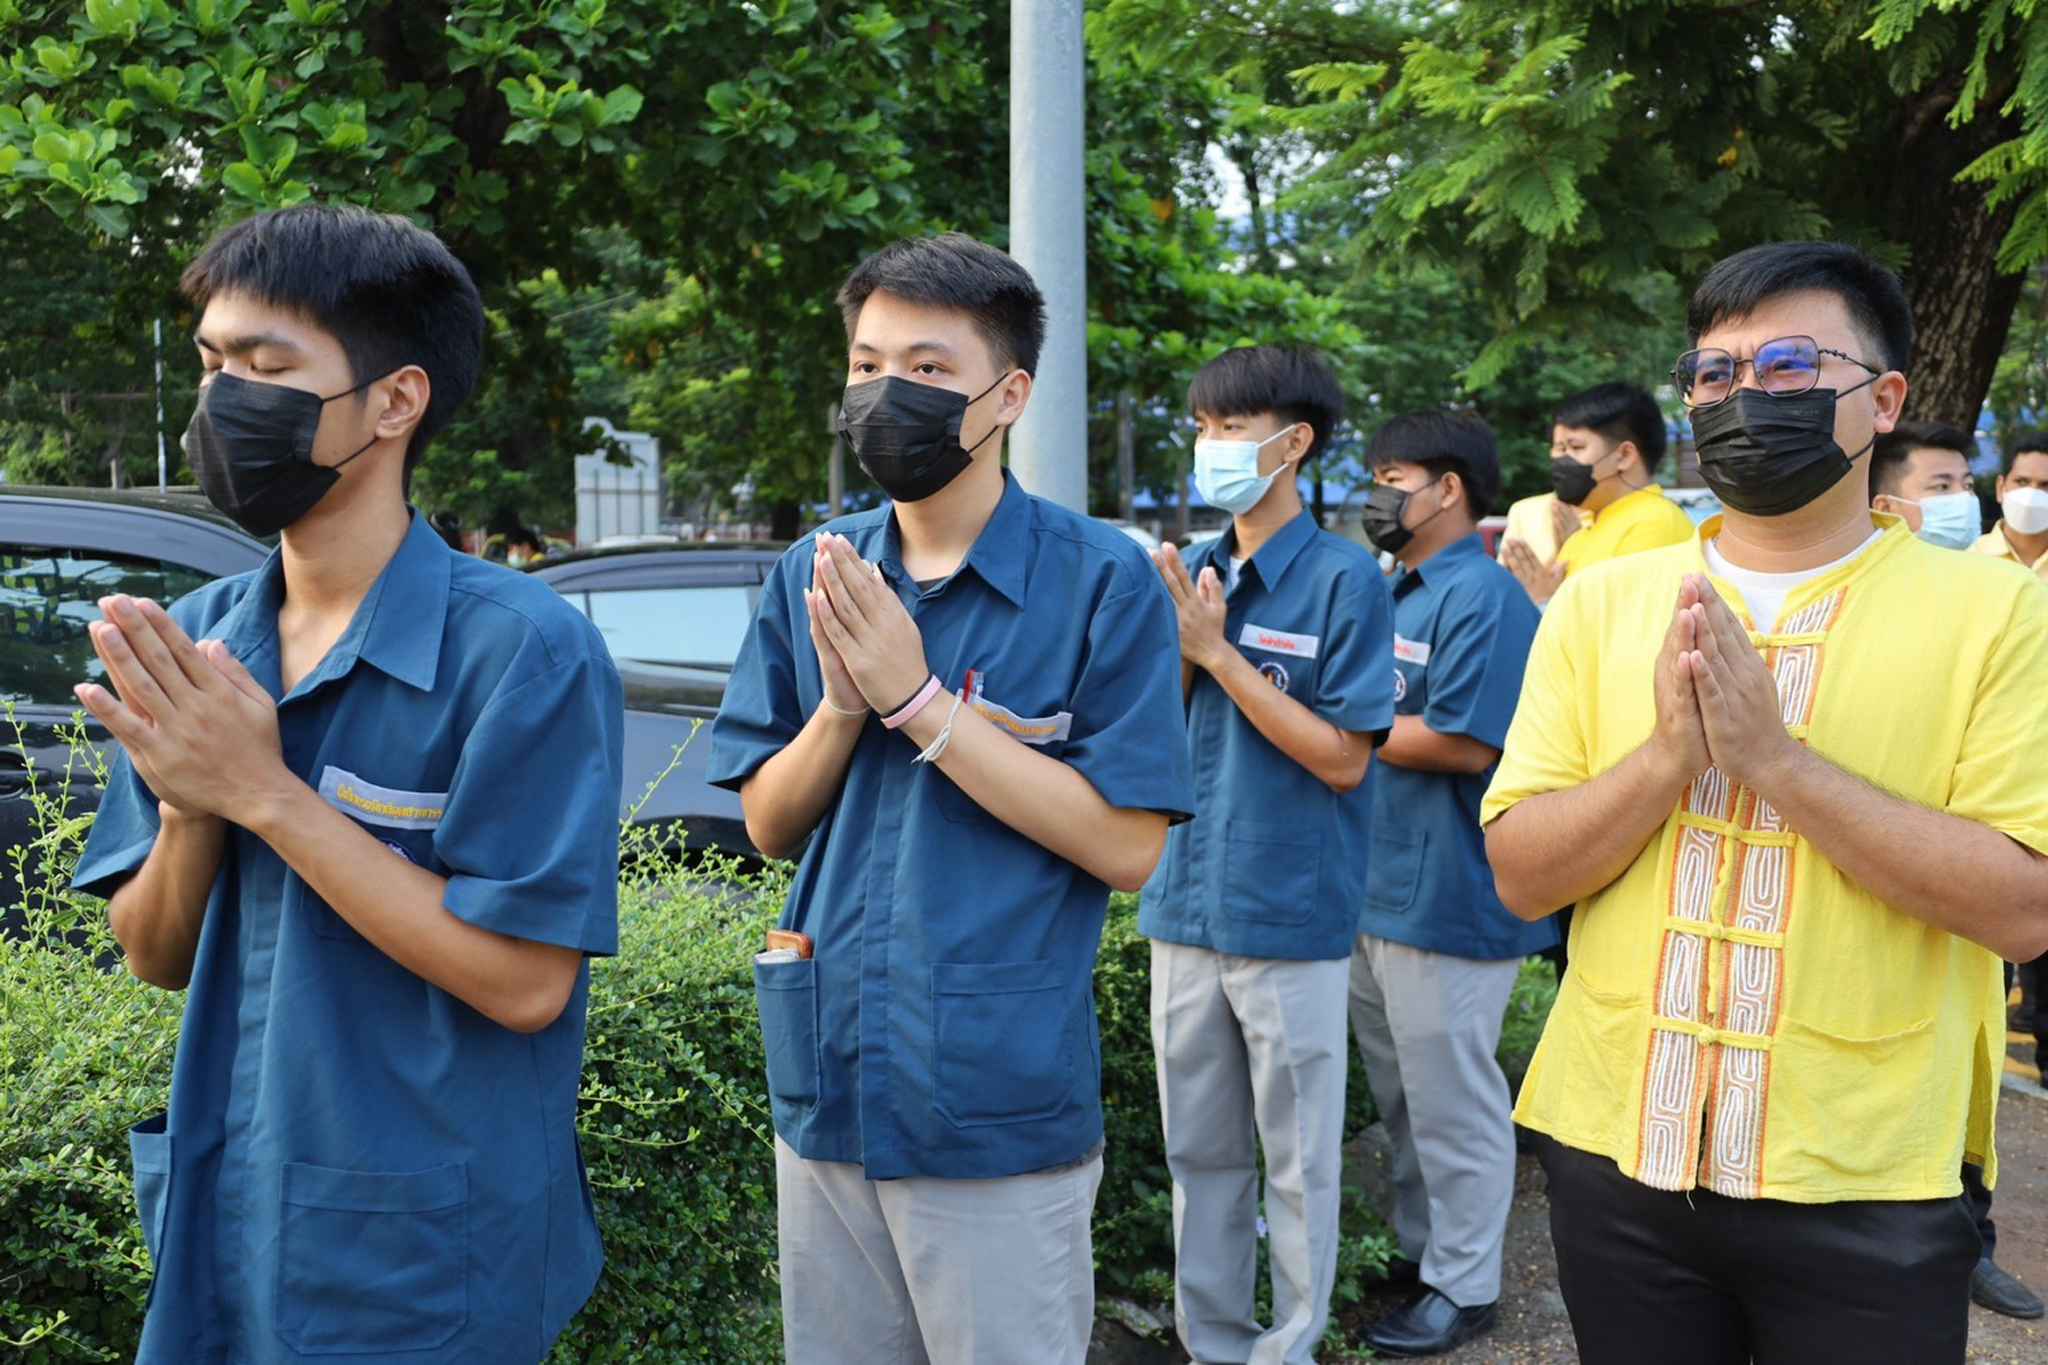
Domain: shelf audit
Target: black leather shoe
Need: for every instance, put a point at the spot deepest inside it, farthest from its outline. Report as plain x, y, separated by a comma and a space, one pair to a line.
1399, 1273
1428, 1324
2001, 1293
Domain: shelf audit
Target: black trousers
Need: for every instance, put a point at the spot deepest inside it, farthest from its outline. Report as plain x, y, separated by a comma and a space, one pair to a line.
1699, 1279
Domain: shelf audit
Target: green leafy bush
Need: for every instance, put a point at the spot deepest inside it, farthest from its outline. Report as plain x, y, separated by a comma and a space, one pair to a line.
674, 1123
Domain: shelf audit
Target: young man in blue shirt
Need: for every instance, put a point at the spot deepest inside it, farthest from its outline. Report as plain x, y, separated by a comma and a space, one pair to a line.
1285, 641
1437, 952
370, 1148
967, 701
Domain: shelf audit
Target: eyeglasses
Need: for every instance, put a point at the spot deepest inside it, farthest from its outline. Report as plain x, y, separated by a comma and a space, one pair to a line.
1783, 366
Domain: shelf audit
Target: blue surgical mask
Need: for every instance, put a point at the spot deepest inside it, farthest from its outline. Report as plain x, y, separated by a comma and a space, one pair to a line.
1950, 520
1227, 472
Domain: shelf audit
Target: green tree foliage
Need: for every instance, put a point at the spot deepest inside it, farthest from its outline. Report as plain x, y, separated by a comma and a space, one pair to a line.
753, 147
1577, 163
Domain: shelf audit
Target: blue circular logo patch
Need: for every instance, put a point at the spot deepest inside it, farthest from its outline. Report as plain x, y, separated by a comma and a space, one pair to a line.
1400, 685
1275, 673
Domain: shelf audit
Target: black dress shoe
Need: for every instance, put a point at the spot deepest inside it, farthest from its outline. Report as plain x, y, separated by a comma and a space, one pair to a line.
2001, 1293
1428, 1324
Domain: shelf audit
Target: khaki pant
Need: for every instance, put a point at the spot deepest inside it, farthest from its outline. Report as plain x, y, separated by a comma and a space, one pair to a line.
1427, 1026
961, 1272
1245, 1044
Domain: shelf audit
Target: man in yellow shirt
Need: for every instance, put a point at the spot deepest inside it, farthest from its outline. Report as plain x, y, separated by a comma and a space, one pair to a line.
1604, 443
1799, 837
2021, 534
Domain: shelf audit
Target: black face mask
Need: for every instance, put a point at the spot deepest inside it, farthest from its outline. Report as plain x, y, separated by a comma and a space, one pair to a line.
906, 435
1767, 456
1571, 481
1385, 505
250, 446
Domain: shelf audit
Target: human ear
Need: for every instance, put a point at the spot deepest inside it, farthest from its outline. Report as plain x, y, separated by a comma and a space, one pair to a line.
403, 395
1887, 399
1011, 398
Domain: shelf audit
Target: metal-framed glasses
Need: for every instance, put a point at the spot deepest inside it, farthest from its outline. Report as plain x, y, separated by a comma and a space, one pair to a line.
1783, 366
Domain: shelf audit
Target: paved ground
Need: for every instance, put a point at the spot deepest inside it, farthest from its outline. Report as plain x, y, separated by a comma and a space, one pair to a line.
1533, 1328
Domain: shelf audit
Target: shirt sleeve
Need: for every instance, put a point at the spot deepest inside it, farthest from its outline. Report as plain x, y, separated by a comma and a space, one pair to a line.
1355, 686
763, 708
1546, 744
1992, 785
124, 829
530, 835
1477, 660
1129, 736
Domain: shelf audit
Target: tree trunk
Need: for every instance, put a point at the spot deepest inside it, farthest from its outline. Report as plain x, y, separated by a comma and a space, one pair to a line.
1962, 305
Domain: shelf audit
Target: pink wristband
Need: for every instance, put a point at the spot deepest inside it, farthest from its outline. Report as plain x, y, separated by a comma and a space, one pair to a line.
914, 705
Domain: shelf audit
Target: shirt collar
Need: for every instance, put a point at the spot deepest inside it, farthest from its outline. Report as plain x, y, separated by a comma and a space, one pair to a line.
1447, 560
1648, 490
397, 627
999, 556
1281, 549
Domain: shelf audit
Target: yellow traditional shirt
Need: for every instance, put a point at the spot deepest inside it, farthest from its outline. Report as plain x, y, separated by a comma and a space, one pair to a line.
1529, 522
1739, 1014
1642, 520
1993, 542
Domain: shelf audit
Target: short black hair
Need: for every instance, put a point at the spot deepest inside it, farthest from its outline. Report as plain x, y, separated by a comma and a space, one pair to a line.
1291, 382
1888, 454
384, 287
954, 271
1736, 287
2033, 443
1620, 412
1442, 442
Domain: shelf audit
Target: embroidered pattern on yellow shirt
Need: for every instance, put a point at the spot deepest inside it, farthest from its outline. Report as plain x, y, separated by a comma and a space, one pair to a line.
1719, 981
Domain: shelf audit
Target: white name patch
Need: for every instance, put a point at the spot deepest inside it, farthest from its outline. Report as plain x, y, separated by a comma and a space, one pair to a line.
375, 805
1278, 641
1411, 651
1028, 729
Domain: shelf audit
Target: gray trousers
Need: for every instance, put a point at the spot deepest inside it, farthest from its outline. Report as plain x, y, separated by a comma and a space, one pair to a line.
962, 1272
1427, 1026
1244, 1041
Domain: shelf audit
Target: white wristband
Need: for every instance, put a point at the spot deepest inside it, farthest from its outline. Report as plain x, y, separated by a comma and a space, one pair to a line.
931, 751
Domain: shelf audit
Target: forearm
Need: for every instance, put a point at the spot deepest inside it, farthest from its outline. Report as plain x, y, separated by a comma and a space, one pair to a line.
1335, 757
1041, 798
1952, 873
398, 907
1412, 744
786, 797
1556, 849
157, 913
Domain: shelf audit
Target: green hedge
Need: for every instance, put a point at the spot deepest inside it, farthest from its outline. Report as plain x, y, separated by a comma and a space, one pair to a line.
675, 1127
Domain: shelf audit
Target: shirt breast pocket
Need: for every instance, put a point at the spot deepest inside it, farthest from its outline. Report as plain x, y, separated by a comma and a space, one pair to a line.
1047, 733
1292, 674
401, 819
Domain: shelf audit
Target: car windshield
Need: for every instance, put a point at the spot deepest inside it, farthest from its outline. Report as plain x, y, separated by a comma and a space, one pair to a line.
49, 596
699, 626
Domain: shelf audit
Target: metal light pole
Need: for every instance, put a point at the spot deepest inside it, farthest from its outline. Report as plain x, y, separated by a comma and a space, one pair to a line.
1049, 445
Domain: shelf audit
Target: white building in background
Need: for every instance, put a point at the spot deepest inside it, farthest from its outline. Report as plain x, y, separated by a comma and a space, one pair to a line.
619, 501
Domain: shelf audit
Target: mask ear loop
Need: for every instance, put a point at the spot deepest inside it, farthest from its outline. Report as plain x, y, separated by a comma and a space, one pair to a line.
1001, 379
343, 394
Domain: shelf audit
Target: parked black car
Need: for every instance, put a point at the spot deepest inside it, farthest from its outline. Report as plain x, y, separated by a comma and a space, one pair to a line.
674, 614
61, 550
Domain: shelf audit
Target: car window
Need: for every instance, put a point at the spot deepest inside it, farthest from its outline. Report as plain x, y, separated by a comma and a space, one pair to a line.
700, 625
47, 598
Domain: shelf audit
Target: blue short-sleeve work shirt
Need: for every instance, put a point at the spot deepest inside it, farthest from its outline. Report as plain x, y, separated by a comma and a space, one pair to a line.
356, 1164
1274, 861
1462, 630
945, 1025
